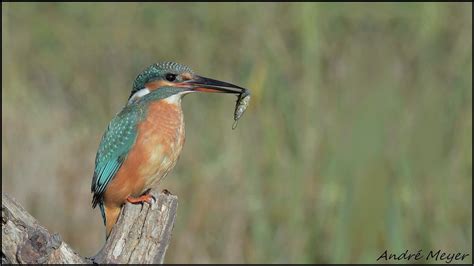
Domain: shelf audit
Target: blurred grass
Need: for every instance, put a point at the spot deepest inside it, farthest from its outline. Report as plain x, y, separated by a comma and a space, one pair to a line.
357, 139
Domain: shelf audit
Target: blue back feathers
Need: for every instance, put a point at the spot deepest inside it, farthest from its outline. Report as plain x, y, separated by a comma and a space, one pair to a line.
114, 147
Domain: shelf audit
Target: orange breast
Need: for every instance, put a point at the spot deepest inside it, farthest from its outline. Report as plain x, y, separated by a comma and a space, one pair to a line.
159, 142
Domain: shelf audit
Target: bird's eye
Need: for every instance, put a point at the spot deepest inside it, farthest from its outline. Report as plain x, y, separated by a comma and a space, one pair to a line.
170, 77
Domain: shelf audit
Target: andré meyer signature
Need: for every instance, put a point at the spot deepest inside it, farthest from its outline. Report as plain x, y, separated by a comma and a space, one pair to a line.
432, 255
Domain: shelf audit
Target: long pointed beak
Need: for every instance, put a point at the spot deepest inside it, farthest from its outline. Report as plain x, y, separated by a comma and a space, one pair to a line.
202, 84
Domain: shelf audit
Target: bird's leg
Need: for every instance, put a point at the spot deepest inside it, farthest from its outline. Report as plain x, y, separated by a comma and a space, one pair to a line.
145, 197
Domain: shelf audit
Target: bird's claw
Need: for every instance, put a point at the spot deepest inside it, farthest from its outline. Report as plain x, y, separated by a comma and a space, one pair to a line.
148, 198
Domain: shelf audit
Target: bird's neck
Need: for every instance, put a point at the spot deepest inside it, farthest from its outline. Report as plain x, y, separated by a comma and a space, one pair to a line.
164, 123
166, 112
174, 94
146, 95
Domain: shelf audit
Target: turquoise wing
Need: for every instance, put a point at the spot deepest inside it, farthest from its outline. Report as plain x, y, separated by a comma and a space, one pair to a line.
113, 149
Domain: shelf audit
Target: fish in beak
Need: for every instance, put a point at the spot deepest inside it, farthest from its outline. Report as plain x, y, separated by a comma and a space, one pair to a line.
202, 84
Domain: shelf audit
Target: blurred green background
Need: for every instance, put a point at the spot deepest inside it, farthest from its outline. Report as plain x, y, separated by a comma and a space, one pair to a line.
357, 139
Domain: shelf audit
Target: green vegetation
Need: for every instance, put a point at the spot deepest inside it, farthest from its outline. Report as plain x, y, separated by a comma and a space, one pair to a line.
357, 139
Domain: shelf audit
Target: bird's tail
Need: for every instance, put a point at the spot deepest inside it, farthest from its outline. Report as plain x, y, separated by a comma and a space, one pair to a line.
110, 215
102, 211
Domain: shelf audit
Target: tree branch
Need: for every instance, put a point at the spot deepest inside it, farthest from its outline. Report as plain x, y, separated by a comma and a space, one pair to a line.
141, 235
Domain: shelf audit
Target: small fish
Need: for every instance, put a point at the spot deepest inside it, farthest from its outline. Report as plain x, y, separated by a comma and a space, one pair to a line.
240, 106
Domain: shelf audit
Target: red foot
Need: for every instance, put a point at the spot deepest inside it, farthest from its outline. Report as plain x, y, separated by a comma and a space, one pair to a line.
143, 198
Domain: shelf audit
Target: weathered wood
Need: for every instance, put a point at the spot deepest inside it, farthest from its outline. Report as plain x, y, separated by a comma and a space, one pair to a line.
25, 241
141, 235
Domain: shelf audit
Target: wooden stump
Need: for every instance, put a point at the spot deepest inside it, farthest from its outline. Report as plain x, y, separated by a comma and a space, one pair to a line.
141, 235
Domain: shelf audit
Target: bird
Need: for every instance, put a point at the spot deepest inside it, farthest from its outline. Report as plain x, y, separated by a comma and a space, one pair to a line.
144, 140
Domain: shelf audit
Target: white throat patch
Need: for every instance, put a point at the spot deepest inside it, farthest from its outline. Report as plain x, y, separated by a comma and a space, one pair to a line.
176, 98
173, 99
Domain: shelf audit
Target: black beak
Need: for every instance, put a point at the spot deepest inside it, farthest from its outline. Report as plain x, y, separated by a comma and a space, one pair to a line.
202, 84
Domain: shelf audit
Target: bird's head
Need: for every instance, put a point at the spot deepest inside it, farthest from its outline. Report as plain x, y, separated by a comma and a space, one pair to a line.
172, 79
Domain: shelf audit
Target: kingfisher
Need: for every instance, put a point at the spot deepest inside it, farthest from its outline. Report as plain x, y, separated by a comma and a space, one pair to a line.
143, 142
